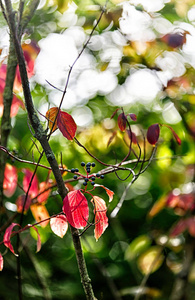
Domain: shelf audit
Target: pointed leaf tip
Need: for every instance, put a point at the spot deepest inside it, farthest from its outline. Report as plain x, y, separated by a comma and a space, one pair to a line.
153, 134
67, 125
133, 117
178, 140
7, 236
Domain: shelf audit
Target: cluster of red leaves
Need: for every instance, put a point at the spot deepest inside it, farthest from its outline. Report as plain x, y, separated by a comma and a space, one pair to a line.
153, 131
63, 121
75, 208
37, 191
30, 52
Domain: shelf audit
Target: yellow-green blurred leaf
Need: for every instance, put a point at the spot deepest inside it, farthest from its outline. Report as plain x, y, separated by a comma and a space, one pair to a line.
150, 260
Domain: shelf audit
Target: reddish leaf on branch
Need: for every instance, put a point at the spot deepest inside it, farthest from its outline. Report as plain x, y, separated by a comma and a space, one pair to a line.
101, 220
34, 190
51, 117
133, 117
7, 236
108, 191
122, 121
10, 180
44, 190
114, 113
178, 140
76, 209
132, 136
111, 138
20, 203
59, 225
1, 262
153, 134
67, 125
40, 213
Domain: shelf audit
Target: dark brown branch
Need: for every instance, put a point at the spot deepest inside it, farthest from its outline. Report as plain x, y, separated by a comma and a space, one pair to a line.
42, 138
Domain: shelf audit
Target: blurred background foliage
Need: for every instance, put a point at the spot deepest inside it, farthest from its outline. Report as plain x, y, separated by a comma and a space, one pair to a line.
141, 57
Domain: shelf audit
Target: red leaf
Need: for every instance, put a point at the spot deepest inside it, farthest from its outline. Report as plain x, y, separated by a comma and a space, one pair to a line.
26, 182
6, 238
75, 207
20, 203
178, 140
114, 113
42, 187
108, 191
153, 134
10, 180
67, 125
51, 117
1, 262
59, 225
38, 238
132, 136
133, 117
179, 228
101, 220
122, 120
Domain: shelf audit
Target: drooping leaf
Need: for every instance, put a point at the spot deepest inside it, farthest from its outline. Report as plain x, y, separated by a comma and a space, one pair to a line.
38, 238
132, 136
178, 140
59, 225
67, 125
108, 191
114, 113
34, 190
7, 236
10, 180
133, 117
76, 209
111, 138
20, 203
1, 262
40, 213
153, 134
101, 220
122, 121
51, 117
